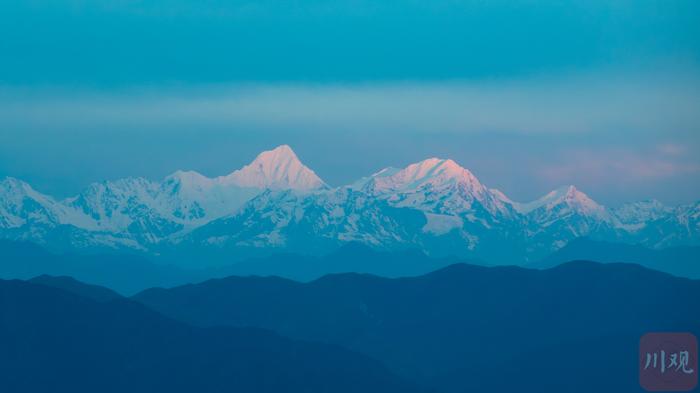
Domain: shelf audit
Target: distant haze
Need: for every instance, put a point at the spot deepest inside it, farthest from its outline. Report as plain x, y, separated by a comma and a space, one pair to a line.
528, 96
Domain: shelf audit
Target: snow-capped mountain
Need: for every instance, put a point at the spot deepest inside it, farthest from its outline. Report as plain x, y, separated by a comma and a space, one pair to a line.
312, 222
437, 186
434, 204
277, 169
636, 215
145, 212
275, 203
679, 226
570, 199
564, 214
21, 205
26, 214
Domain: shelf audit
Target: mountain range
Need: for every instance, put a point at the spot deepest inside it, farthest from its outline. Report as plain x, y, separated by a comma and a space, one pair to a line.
276, 204
464, 328
679, 261
60, 336
461, 328
129, 273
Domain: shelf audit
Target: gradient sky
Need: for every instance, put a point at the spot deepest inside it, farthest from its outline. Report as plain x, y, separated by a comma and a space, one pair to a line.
529, 95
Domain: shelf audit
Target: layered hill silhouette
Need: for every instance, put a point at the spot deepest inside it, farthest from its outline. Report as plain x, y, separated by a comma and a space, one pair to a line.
69, 284
464, 328
125, 273
56, 341
679, 261
128, 273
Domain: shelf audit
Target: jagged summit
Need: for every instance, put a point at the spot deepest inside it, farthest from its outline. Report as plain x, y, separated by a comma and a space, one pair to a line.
20, 204
568, 192
569, 196
188, 177
436, 168
279, 168
435, 205
573, 195
437, 186
14, 189
432, 172
10, 183
639, 212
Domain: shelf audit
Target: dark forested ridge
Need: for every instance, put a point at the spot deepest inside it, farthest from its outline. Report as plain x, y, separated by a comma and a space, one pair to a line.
575, 327
69, 284
55, 341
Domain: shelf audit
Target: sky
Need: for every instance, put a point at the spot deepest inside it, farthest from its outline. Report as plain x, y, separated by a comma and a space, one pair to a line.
529, 95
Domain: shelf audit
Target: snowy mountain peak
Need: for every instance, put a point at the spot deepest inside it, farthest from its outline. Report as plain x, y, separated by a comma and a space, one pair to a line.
566, 195
278, 168
186, 176
260, 206
10, 184
569, 192
640, 212
437, 167
433, 172
189, 180
281, 150
437, 186
15, 189
21, 204
575, 197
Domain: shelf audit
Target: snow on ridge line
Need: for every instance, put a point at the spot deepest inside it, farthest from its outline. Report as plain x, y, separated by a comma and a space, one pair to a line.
184, 197
280, 168
569, 195
431, 172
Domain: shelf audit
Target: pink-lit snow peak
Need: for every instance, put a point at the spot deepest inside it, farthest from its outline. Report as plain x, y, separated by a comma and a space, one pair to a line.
278, 168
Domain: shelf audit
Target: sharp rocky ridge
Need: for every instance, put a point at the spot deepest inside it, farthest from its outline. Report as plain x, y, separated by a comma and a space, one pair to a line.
277, 203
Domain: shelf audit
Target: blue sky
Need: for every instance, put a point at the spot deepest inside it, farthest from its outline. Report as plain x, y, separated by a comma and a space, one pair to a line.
527, 94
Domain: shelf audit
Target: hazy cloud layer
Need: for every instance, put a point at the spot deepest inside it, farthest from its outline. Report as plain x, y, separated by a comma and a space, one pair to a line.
615, 135
527, 94
616, 103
